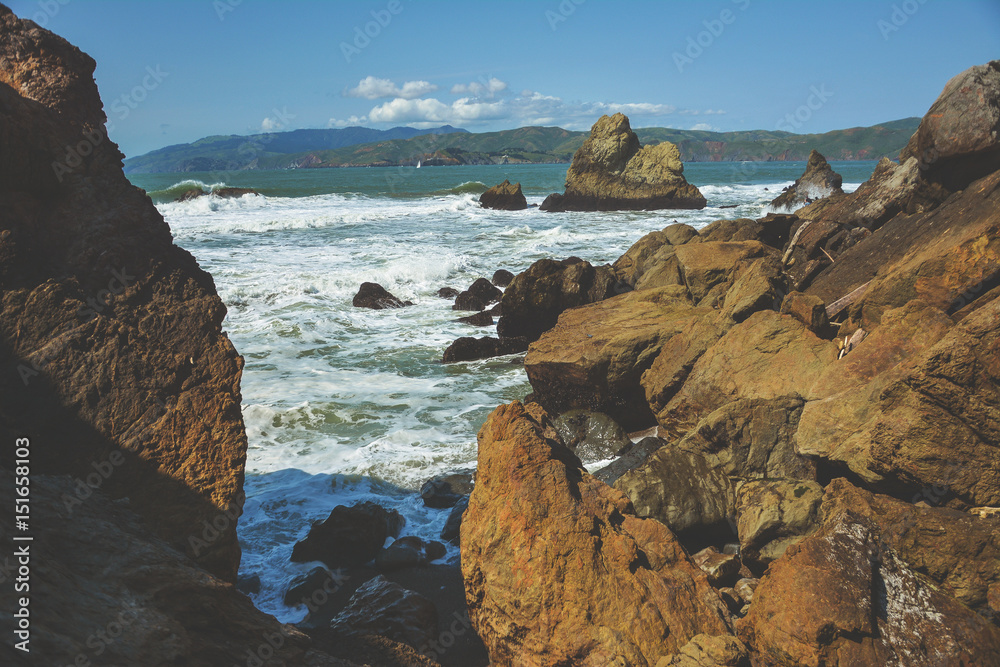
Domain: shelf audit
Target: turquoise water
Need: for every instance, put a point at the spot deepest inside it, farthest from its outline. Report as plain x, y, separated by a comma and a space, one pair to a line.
344, 404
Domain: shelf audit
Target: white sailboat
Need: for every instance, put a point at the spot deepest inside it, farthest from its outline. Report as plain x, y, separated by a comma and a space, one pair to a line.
419, 162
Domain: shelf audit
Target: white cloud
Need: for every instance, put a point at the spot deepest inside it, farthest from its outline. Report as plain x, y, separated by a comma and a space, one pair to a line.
270, 125
487, 88
348, 122
372, 88
705, 126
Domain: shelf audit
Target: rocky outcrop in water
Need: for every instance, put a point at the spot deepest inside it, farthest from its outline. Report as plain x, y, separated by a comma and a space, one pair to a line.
612, 172
818, 181
376, 297
504, 197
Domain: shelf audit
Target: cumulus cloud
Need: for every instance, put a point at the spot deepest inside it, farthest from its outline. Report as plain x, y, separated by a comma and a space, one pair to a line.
482, 88
270, 125
704, 126
372, 88
348, 122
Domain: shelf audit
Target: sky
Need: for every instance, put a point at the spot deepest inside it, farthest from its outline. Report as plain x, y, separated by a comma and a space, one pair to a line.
174, 71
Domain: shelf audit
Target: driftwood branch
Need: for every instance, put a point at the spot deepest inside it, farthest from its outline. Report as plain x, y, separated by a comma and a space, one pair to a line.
840, 304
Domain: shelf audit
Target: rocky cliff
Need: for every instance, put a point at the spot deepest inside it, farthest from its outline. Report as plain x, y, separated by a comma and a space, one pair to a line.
611, 172
821, 392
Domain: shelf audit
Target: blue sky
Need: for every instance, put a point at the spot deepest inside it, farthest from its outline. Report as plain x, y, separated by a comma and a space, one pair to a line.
175, 71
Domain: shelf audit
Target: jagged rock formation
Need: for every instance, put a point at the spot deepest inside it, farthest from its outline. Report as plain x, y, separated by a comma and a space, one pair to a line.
504, 197
558, 570
120, 370
818, 181
611, 172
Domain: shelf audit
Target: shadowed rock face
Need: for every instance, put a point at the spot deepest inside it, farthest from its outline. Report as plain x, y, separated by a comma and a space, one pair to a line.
115, 363
612, 172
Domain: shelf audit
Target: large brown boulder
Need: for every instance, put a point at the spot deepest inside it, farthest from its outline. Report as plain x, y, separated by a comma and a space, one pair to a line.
650, 251
958, 139
596, 354
713, 264
767, 356
612, 172
504, 197
916, 405
844, 597
558, 570
818, 181
120, 370
533, 301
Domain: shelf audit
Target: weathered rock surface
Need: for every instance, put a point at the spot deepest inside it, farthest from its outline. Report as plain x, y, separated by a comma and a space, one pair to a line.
105, 590
480, 319
381, 607
808, 309
680, 489
840, 597
650, 251
407, 552
958, 139
772, 515
632, 458
741, 365
468, 348
349, 536
595, 356
502, 278
111, 333
752, 439
504, 197
376, 297
612, 172
452, 526
533, 301
722, 569
709, 264
557, 568
818, 181
915, 383
709, 651
960, 552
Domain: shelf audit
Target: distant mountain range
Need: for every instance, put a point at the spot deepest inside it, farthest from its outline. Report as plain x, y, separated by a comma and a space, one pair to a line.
446, 145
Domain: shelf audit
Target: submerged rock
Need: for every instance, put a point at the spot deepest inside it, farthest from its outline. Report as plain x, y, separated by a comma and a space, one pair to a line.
376, 297
487, 347
504, 197
349, 536
612, 172
818, 181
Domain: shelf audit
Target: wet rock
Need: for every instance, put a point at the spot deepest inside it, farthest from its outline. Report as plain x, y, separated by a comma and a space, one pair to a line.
592, 436
533, 301
349, 536
612, 172
479, 295
480, 319
380, 607
471, 349
407, 552
818, 181
452, 527
445, 490
376, 297
248, 584
557, 568
448, 292
504, 197
772, 515
502, 278
304, 586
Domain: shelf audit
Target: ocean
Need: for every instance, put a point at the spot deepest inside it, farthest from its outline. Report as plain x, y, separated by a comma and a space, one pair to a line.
344, 404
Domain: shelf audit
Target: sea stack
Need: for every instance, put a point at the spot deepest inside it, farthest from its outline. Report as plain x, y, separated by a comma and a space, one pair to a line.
613, 172
504, 197
818, 181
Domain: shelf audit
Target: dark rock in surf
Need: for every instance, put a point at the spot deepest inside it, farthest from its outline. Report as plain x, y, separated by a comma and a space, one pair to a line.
349, 536
504, 197
502, 277
407, 552
479, 295
376, 297
471, 349
445, 490
448, 292
480, 319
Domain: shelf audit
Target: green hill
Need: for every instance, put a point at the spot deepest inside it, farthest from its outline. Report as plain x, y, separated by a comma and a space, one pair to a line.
447, 146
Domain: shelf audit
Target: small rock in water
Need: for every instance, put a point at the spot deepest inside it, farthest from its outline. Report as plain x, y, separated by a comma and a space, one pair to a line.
480, 319
504, 197
479, 295
376, 297
502, 277
471, 349
445, 490
448, 292
452, 527
349, 536
407, 552
302, 587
